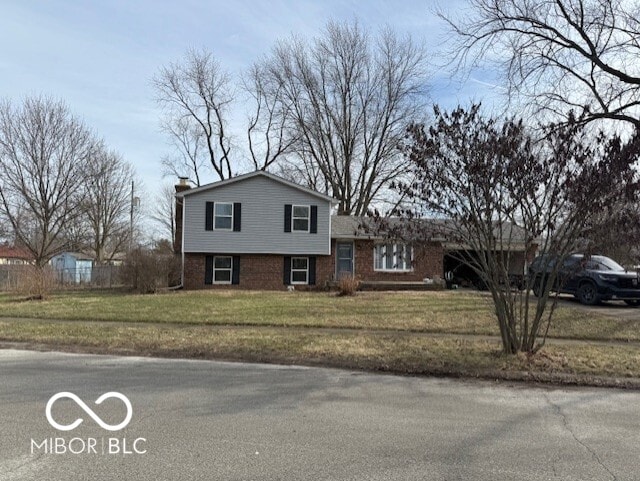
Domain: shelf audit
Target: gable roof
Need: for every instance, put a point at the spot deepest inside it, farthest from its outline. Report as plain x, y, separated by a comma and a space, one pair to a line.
11, 252
251, 175
79, 256
439, 230
360, 227
350, 227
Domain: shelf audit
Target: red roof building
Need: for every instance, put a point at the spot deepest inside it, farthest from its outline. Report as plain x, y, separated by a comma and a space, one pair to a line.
14, 255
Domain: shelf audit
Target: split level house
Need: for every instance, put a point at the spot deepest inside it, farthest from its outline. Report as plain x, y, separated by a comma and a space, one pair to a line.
259, 231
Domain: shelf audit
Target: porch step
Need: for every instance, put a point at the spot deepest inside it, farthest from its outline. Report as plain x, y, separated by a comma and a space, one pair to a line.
399, 286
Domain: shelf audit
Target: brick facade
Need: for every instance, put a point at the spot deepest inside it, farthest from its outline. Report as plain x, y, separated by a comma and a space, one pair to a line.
325, 269
266, 271
256, 272
428, 262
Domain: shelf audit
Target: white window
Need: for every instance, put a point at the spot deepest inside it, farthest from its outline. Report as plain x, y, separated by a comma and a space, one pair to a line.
393, 257
222, 270
223, 216
300, 218
299, 270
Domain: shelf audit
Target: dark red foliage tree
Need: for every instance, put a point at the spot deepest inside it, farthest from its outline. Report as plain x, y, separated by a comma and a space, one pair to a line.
492, 188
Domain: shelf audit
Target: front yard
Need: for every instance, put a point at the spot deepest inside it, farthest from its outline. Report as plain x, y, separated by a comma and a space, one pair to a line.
443, 332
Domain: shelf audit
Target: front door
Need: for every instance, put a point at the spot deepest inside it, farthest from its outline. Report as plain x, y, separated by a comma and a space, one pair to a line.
344, 259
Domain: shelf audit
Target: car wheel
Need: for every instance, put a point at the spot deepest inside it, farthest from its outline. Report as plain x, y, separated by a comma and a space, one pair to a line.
480, 284
537, 287
588, 294
632, 302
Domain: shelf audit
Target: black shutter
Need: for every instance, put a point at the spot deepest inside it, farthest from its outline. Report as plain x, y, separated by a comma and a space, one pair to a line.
287, 270
237, 216
208, 270
208, 216
312, 271
314, 220
287, 218
235, 270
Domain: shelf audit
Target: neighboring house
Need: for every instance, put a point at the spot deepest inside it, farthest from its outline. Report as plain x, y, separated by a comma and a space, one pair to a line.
72, 267
10, 255
116, 260
259, 231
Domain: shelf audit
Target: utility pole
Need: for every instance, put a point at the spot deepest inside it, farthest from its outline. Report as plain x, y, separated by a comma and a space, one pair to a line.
135, 202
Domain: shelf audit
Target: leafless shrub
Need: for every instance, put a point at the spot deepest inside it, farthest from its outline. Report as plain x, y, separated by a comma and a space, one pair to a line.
347, 286
149, 270
34, 283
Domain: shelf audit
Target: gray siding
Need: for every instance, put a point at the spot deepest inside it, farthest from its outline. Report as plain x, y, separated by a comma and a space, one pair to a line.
263, 202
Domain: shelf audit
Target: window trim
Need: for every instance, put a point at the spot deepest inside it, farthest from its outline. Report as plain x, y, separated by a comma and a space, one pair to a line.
229, 269
306, 271
293, 218
215, 206
395, 255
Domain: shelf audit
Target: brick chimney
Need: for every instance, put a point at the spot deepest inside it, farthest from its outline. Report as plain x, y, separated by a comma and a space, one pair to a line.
181, 186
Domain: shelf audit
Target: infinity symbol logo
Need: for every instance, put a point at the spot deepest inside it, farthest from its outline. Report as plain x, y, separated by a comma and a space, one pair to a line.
89, 411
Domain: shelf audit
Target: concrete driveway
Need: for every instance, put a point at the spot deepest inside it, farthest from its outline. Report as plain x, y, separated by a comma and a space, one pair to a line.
617, 309
212, 420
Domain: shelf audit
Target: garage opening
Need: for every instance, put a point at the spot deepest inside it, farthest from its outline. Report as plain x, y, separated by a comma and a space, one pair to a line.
456, 272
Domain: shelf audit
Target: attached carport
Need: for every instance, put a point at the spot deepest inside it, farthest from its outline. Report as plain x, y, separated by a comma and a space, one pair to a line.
456, 268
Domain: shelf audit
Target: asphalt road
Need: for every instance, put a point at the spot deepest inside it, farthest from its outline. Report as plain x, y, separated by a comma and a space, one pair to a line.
214, 420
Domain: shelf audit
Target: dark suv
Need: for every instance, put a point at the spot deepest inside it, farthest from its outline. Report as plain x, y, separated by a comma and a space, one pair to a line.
591, 279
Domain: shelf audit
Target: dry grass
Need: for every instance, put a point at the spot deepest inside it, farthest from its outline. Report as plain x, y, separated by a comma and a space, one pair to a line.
429, 311
434, 311
360, 350
397, 332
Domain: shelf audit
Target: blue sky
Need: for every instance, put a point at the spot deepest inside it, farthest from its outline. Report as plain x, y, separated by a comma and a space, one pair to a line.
100, 56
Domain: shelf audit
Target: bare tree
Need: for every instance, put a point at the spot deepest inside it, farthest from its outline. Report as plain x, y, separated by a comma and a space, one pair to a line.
164, 212
343, 101
615, 232
268, 138
195, 95
580, 55
107, 203
188, 159
43, 149
498, 190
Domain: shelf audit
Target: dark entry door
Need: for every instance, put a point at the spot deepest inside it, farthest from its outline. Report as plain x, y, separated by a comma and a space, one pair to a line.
344, 256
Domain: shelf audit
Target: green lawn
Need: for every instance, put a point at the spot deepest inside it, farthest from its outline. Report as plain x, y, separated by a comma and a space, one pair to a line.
406, 311
439, 312
404, 332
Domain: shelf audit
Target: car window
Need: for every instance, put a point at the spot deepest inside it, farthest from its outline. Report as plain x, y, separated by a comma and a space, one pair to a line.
572, 263
595, 266
606, 264
578, 262
543, 261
